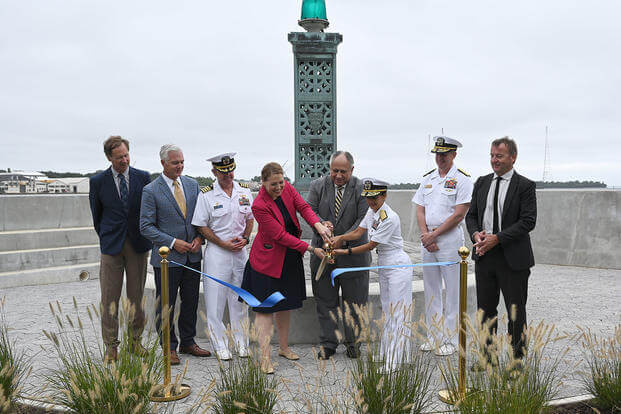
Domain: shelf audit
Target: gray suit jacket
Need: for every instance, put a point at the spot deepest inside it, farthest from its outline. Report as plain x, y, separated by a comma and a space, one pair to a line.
161, 219
353, 209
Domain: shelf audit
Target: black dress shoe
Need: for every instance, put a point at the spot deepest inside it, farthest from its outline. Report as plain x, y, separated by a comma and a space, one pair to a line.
353, 352
326, 353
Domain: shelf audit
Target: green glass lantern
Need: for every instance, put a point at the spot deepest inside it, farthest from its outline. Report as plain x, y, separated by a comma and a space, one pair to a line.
314, 15
314, 9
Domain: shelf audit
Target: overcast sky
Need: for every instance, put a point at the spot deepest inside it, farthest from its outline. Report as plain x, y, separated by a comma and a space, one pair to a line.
217, 76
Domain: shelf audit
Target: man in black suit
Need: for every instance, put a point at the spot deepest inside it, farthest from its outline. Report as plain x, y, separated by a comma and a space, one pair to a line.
502, 212
337, 201
115, 195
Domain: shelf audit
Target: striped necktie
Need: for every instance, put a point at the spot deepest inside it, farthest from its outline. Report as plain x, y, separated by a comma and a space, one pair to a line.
337, 201
123, 191
179, 197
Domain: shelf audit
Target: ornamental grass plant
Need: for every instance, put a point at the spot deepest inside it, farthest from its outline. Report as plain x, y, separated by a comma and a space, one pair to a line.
603, 378
83, 383
13, 367
244, 388
396, 386
502, 384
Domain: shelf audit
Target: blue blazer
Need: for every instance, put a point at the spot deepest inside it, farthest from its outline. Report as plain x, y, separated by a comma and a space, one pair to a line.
161, 219
112, 223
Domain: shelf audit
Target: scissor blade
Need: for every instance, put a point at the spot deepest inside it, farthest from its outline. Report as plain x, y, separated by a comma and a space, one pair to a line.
321, 268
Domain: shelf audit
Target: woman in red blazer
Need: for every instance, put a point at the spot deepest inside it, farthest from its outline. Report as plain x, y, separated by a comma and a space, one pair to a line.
275, 262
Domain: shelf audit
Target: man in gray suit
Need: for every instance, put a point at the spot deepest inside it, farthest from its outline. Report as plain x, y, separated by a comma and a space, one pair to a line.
337, 200
166, 219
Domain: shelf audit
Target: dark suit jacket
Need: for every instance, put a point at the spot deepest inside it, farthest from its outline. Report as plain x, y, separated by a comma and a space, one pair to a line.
267, 254
519, 216
112, 223
321, 196
161, 219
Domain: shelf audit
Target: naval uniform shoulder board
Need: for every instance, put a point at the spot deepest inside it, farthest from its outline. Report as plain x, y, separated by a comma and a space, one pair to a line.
425, 175
243, 185
463, 172
206, 188
383, 216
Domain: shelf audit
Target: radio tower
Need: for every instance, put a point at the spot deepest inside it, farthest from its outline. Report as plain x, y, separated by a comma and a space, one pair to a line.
546, 160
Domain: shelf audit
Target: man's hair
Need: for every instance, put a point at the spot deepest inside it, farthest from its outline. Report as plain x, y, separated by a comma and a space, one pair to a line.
166, 149
511, 145
113, 142
269, 169
348, 156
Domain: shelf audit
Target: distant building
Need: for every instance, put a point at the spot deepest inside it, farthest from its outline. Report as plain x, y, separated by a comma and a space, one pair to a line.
20, 182
71, 185
25, 182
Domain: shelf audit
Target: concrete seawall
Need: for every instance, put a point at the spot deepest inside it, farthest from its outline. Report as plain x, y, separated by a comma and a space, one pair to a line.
574, 227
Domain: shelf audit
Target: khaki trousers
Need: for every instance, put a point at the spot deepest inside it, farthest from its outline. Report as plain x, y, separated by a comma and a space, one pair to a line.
111, 282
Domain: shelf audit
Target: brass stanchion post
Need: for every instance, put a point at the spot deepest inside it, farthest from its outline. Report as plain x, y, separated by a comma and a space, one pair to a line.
447, 396
167, 392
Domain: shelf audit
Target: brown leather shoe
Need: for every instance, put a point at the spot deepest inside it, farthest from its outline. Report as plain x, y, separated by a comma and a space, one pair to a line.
194, 350
174, 358
111, 355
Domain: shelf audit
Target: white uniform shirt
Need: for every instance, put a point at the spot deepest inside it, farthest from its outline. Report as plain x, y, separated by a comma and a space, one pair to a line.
440, 195
488, 214
225, 216
386, 232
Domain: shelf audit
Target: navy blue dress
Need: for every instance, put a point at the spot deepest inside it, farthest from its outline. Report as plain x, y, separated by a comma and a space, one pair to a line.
291, 283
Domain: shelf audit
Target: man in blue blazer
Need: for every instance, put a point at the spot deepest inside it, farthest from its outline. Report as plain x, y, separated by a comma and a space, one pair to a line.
115, 205
166, 213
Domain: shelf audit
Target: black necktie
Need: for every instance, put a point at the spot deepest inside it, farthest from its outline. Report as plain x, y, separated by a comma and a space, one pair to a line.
496, 228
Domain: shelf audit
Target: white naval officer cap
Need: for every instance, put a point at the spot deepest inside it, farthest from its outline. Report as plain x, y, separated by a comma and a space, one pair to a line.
373, 187
445, 144
223, 162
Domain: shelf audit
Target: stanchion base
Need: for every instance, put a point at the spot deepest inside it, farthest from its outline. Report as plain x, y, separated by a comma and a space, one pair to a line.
173, 394
449, 397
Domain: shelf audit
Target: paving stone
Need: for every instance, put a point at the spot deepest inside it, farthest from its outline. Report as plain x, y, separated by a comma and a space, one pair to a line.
563, 295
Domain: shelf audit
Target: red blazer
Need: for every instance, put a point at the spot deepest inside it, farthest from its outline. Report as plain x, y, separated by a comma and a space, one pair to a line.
267, 254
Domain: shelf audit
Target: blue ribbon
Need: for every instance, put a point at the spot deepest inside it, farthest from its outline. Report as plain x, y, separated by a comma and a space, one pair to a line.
246, 296
342, 270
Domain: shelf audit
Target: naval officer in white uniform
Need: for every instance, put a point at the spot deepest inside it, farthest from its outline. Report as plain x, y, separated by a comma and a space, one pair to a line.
442, 202
384, 230
223, 216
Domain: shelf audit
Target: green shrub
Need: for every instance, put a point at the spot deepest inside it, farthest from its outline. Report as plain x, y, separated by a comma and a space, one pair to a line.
13, 367
85, 384
603, 358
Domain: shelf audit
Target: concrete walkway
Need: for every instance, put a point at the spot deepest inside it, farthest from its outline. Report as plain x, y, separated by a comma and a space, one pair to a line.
565, 296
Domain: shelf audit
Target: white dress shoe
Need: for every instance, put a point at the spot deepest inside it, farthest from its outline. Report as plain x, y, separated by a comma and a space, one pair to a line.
445, 350
224, 355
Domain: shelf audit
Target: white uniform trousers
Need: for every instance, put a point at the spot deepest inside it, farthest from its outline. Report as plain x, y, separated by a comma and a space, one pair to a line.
229, 267
442, 327
396, 297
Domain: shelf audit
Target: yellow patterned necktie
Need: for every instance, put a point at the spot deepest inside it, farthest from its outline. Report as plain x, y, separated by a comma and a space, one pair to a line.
179, 197
338, 199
